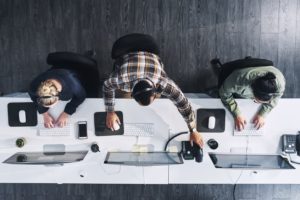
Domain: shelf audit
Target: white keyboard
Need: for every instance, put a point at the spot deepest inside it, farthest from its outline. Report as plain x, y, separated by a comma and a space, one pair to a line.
249, 130
56, 131
139, 129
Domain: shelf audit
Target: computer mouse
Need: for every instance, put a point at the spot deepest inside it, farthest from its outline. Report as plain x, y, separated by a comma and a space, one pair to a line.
22, 116
116, 126
211, 122
198, 153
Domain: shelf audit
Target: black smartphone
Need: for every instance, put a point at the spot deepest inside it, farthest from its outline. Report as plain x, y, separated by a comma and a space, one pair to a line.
82, 130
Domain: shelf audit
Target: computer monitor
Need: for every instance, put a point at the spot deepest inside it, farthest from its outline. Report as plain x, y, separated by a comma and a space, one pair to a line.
41, 158
250, 161
143, 158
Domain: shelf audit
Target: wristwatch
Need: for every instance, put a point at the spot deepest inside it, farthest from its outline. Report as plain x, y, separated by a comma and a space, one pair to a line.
193, 130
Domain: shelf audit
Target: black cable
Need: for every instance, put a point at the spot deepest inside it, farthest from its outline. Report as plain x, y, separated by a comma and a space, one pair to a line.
174, 136
233, 192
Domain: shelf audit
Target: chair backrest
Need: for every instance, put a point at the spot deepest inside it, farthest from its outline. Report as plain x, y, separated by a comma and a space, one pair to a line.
229, 67
134, 42
85, 67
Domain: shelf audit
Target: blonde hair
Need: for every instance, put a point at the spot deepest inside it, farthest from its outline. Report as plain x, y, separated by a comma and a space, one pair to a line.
47, 93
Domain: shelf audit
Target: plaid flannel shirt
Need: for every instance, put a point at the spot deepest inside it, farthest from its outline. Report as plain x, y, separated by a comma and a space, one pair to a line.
139, 65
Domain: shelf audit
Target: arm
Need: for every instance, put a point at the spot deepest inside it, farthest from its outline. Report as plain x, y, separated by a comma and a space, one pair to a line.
226, 92
78, 97
173, 92
109, 87
266, 108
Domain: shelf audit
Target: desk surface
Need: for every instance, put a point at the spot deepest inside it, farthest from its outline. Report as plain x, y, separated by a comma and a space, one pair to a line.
167, 120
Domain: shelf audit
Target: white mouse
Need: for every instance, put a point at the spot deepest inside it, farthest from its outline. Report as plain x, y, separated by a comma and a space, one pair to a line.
116, 126
22, 116
211, 122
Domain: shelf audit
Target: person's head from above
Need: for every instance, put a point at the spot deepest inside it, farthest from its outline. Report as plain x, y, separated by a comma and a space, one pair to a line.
264, 88
48, 94
144, 92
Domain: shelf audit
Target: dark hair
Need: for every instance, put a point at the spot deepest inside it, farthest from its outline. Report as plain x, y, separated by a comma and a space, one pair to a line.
265, 87
142, 92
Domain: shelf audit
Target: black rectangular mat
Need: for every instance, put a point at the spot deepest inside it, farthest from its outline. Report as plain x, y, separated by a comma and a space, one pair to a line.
13, 110
100, 125
202, 120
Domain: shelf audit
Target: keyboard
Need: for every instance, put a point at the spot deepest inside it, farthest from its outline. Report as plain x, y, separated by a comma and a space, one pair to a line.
249, 130
139, 129
56, 131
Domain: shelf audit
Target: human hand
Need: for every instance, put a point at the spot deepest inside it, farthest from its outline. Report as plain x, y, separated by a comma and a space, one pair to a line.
111, 119
48, 120
196, 137
240, 122
258, 121
62, 119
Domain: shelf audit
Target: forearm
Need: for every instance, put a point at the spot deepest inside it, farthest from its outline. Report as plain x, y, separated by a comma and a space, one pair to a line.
229, 102
266, 108
109, 98
181, 102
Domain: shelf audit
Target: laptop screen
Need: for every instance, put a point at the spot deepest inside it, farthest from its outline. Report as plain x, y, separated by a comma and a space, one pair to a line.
46, 158
250, 161
143, 158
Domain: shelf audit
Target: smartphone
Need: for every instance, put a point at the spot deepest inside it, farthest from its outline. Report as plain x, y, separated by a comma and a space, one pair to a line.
82, 130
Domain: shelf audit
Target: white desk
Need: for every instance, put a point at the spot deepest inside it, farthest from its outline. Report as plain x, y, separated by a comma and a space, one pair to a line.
163, 113
282, 120
92, 166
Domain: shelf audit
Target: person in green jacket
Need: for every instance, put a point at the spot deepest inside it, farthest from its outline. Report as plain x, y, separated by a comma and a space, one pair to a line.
265, 85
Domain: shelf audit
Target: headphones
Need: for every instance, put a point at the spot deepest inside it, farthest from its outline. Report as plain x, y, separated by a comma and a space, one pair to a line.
152, 89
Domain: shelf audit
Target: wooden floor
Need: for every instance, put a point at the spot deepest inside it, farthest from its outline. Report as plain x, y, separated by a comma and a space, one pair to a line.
189, 32
147, 192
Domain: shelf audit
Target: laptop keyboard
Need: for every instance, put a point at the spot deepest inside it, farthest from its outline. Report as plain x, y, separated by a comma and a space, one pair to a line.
249, 130
139, 129
56, 131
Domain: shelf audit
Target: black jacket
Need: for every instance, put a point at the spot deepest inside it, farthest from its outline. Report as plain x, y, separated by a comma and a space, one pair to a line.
71, 89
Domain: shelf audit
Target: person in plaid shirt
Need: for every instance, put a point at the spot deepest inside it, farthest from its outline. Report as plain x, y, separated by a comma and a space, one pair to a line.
142, 73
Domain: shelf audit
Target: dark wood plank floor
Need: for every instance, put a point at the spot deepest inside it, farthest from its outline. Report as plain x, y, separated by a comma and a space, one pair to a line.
147, 192
189, 33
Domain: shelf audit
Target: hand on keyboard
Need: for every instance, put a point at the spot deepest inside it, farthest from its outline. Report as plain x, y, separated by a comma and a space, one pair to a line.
259, 121
240, 122
62, 119
49, 121
55, 131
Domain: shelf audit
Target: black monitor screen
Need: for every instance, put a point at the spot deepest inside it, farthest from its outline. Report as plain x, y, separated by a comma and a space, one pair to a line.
250, 161
143, 158
35, 158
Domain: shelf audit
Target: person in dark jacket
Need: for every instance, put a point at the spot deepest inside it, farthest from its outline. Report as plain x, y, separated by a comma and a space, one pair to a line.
54, 85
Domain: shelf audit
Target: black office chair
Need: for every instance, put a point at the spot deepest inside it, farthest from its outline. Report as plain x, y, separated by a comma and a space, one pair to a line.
85, 66
134, 42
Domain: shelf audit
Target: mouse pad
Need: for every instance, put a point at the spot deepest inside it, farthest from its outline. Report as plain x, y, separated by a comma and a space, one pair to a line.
202, 120
100, 125
13, 110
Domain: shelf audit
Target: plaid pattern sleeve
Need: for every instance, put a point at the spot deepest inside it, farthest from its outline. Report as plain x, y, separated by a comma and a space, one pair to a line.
109, 87
173, 92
